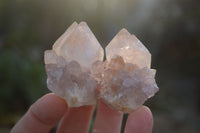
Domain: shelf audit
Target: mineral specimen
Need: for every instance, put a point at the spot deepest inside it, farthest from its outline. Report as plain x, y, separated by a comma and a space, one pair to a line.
68, 65
76, 70
128, 80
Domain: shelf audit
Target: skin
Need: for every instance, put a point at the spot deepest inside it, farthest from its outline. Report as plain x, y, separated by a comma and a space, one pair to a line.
47, 111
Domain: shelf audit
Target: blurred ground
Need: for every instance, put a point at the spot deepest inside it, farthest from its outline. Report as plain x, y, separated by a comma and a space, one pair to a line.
168, 28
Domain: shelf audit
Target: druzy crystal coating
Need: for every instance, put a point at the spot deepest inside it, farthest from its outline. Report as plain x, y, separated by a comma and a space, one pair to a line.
77, 73
126, 86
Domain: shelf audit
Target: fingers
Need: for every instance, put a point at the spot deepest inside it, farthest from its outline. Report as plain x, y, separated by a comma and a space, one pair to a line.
49, 109
140, 121
107, 120
76, 120
42, 115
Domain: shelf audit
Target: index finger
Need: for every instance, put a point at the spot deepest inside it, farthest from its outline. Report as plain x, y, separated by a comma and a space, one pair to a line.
42, 115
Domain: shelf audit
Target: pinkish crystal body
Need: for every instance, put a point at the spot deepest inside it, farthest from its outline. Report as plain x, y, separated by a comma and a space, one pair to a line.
68, 65
75, 70
128, 80
125, 86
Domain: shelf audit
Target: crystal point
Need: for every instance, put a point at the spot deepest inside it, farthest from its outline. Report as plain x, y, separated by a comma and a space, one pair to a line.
130, 48
128, 80
82, 46
68, 65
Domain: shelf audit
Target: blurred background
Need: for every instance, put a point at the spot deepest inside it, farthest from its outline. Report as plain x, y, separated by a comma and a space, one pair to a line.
168, 28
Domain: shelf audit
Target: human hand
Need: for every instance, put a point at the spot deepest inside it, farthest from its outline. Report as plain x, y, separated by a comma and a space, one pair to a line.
45, 113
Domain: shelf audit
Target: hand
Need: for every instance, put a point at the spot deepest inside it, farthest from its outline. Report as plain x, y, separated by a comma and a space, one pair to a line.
45, 113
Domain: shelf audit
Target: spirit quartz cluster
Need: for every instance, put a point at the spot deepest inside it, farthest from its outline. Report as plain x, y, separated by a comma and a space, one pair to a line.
76, 70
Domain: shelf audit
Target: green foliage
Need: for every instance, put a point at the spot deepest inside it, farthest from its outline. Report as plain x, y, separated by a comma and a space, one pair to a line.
22, 82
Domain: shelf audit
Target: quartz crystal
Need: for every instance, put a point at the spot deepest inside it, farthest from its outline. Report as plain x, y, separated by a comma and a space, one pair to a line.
126, 86
127, 80
68, 65
130, 48
76, 71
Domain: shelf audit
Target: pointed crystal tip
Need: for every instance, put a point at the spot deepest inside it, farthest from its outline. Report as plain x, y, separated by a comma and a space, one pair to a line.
79, 43
130, 48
